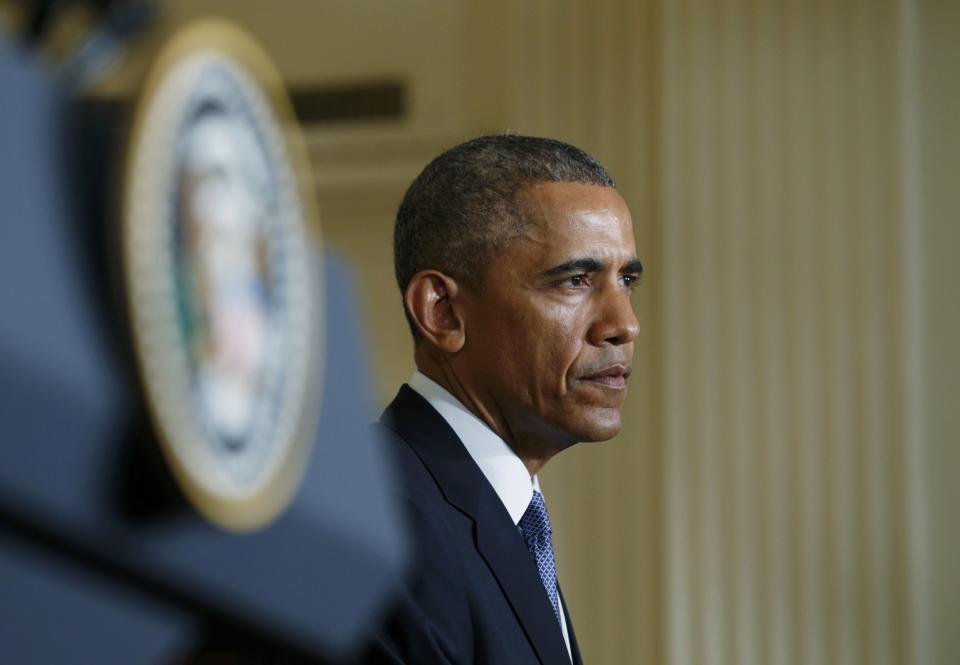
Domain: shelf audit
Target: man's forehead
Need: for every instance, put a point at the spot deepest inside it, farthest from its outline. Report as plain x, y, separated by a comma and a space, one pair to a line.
562, 215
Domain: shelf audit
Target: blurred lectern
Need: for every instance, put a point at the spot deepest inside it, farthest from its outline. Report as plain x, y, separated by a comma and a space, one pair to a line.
186, 462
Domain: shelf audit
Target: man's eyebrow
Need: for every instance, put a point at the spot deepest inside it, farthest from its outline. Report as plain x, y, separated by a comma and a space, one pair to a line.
589, 265
633, 266
575, 265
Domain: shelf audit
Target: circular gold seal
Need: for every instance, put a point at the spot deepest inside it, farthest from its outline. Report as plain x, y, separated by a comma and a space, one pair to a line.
218, 245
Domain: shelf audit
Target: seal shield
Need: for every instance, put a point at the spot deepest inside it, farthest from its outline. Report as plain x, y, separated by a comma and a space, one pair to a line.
219, 247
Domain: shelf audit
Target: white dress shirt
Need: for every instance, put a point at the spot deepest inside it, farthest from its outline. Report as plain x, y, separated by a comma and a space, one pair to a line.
501, 466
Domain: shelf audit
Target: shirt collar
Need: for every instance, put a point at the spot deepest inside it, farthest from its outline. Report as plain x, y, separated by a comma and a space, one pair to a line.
501, 466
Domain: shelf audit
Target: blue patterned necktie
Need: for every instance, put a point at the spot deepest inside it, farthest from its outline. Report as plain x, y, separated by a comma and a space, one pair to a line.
535, 527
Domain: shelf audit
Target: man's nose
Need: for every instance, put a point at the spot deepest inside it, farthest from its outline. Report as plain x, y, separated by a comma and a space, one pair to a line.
615, 321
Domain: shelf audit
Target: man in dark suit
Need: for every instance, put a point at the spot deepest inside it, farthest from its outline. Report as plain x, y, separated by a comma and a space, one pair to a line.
515, 258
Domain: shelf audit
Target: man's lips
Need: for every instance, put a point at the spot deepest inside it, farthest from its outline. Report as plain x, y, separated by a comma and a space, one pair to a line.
612, 376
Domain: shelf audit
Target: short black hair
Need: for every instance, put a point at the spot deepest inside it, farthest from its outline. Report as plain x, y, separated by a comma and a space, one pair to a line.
462, 208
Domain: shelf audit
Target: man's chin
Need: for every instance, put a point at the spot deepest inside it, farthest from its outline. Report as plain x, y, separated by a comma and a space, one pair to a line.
599, 427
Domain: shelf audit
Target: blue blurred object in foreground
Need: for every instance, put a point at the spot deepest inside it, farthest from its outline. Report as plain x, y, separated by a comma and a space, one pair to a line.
101, 560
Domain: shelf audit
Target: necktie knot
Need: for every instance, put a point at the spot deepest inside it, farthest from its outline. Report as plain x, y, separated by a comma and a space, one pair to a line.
535, 522
536, 530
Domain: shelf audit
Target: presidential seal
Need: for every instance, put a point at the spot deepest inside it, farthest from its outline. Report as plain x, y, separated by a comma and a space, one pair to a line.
219, 245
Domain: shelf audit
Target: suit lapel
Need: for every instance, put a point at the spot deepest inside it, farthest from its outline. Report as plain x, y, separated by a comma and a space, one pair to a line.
497, 538
511, 563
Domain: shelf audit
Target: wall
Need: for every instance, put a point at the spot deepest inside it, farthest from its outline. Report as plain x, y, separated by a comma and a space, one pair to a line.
783, 363
934, 325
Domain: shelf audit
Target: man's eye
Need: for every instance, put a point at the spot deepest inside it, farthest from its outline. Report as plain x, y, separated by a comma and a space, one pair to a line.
629, 281
577, 280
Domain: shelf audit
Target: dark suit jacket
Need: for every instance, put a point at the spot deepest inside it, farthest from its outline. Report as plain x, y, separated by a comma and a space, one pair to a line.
474, 594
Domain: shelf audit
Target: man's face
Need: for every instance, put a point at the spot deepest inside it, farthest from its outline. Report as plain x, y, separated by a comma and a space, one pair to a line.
549, 337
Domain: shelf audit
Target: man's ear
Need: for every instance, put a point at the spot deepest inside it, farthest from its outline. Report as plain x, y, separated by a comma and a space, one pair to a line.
429, 300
